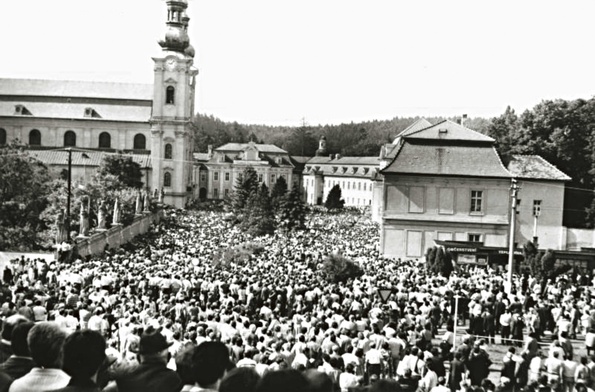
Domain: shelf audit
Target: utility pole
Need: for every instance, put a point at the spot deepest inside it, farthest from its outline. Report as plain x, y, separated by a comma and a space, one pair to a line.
68, 194
514, 188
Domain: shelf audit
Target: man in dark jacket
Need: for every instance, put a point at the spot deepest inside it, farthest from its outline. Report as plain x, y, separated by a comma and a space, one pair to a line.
455, 375
20, 363
151, 374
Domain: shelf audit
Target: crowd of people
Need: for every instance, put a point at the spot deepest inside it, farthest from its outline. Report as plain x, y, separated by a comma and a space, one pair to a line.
165, 313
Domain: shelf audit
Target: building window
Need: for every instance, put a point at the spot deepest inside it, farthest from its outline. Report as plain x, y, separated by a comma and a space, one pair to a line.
2, 136
216, 193
167, 179
446, 200
69, 139
365, 187
216, 176
474, 237
476, 201
273, 178
170, 92
35, 138
169, 151
140, 142
260, 178
536, 207
416, 199
226, 176
226, 192
105, 140
203, 177
359, 186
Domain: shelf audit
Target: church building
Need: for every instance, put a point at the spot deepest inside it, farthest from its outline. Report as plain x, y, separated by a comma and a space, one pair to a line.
150, 122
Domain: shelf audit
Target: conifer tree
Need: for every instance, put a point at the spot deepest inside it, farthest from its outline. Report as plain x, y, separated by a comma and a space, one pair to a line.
259, 216
246, 186
334, 200
292, 211
278, 192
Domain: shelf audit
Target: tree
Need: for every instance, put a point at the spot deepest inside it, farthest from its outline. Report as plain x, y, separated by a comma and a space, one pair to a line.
334, 200
292, 211
278, 192
336, 268
124, 168
246, 186
23, 191
259, 218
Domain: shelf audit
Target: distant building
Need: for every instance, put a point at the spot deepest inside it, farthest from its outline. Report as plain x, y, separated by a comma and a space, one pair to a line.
217, 171
355, 176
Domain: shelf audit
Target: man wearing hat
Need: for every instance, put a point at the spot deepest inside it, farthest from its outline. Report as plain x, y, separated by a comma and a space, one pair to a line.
151, 374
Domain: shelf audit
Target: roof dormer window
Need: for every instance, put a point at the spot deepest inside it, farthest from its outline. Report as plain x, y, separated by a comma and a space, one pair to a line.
90, 112
21, 110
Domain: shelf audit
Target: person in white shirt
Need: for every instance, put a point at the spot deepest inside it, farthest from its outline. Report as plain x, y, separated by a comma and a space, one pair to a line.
348, 379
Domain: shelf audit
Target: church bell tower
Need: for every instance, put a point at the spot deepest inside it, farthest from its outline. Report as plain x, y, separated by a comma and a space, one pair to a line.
174, 83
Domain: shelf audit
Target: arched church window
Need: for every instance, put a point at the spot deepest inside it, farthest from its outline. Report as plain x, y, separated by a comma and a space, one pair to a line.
168, 151
170, 91
167, 179
140, 142
105, 140
69, 139
2, 136
35, 138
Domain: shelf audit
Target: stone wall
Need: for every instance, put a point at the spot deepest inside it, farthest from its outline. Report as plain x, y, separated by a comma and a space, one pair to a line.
116, 236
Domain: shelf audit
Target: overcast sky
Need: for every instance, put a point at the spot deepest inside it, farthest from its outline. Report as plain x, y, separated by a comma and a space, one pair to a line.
328, 61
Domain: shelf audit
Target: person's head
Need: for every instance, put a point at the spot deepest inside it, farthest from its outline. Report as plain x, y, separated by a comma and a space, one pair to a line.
19, 339
318, 381
10, 323
84, 353
153, 345
287, 380
185, 366
210, 361
46, 344
243, 379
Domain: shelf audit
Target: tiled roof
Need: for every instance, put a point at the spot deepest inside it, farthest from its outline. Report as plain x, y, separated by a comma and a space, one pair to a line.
67, 110
535, 167
266, 148
417, 125
76, 89
374, 161
90, 158
449, 130
480, 160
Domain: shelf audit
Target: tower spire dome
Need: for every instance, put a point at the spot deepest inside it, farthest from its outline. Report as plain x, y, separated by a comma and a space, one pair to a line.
176, 35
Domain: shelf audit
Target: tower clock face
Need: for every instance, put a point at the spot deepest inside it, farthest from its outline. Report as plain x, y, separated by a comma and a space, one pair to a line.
170, 64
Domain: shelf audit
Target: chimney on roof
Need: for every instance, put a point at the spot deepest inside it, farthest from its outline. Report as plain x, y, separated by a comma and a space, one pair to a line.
338, 156
210, 150
463, 119
330, 156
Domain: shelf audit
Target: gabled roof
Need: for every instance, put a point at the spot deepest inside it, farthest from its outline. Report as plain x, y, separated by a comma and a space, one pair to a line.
535, 167
83, 158
265, 148
479, 160
76, 89
417, 125
449, 130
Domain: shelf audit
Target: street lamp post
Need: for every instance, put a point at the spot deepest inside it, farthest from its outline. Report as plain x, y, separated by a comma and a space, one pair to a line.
68, 194
514, 189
